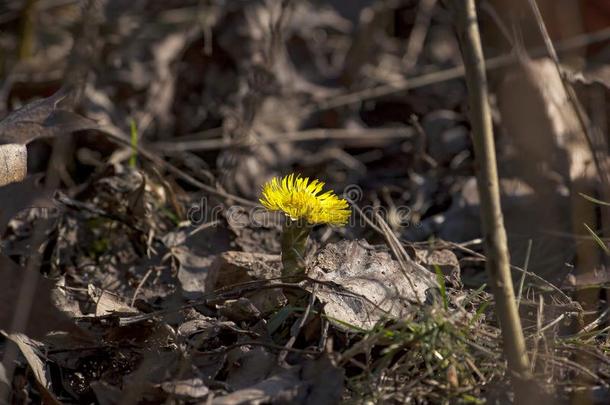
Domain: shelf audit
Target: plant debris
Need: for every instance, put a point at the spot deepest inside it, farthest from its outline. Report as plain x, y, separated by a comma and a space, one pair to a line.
137, 265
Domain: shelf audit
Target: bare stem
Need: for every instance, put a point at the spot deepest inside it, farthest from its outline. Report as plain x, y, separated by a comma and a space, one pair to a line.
496, 250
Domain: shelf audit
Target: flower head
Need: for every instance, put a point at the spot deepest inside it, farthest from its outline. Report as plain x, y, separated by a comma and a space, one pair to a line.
299, 198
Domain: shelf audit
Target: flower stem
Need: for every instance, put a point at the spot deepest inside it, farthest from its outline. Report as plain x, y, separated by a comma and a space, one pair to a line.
294, 242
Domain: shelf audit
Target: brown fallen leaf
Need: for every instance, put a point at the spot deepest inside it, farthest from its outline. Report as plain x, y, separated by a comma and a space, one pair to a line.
31, 350
196, 252
189, 389
247, 366
279, 386
445, 259
107, 303
241, 309
268, 301
197, 274
239, 267
105, 393
21, 125
317, 381
44, 316
18, 196
40, 118
370, 284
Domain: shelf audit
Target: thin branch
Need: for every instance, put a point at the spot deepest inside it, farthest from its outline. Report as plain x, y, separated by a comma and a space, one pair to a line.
122, 139
369, 135
418, 34
445, 75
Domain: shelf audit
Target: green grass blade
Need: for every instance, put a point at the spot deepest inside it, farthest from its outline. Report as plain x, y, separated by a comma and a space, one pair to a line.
440, 279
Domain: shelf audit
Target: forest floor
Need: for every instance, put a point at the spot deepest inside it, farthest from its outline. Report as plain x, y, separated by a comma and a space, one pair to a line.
138, 265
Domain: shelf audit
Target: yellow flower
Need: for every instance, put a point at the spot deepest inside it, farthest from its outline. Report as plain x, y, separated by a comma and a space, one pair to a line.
299, 198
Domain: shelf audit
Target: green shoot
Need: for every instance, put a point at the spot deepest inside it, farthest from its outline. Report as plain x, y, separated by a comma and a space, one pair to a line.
133, 160
440, 279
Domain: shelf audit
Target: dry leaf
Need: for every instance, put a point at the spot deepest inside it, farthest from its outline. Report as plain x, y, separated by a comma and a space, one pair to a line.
241, 309
370, 285
248, 366
197, 274
239, 267
105, 393
279, 387
44, 316
41, 118
196, 252
31, 350
315, 382
107, 303
36, 119
445, 259
18, 196
192, 388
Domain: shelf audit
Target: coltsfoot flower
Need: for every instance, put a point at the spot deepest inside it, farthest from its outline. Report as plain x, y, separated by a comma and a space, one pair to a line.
301, 199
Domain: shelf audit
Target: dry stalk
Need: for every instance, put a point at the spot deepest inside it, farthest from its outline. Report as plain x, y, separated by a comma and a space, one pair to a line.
498, 264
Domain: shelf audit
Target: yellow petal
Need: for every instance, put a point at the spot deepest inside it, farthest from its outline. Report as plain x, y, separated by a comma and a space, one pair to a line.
299, 198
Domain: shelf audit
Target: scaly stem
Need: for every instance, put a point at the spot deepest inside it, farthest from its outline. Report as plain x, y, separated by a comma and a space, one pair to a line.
294, 242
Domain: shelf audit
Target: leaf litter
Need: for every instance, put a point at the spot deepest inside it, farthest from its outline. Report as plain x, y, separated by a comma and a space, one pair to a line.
155, 289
